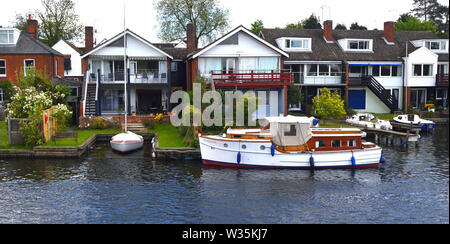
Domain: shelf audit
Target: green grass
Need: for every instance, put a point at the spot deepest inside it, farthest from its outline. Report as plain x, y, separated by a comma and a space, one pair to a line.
334, 123
168, 136
384, 116
83, 135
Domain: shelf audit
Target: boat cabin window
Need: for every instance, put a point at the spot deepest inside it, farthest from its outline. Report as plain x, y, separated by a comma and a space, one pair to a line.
410, 117
291, 132
237, 136
320, 143
336, 143
351, 143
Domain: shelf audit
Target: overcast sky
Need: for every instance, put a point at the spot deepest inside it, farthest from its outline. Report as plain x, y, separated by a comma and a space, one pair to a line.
107, 15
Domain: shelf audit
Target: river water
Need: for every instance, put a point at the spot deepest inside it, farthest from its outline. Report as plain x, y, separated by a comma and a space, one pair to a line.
105, 187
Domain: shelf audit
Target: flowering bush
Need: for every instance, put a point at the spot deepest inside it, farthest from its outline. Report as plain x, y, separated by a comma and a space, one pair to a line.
26, 102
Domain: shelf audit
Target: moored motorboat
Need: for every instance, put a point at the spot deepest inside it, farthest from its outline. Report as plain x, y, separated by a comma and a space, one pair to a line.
126, 142
369, 121
413, 121
290, 142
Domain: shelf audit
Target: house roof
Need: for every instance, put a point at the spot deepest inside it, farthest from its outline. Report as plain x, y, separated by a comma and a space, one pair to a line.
198, 52
324, 51
27, 44
120, 35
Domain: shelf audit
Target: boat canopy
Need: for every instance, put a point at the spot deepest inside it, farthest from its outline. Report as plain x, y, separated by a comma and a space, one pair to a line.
290, 130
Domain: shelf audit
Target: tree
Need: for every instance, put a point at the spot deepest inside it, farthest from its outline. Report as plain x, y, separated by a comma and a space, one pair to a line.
294, 94
414, 24
257, 26
424, 8
327, 104
295, 26
208, 18
340, 27
356, 26
59, 21
311, 23
404, 17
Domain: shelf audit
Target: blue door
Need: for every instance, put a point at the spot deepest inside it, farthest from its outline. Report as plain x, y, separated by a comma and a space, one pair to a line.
357, 99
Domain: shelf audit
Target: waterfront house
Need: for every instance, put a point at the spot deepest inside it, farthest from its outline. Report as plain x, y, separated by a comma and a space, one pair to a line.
241, 60
20, 51
372, 70
147, 78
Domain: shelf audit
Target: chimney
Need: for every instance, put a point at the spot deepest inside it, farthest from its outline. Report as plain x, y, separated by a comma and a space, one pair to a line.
32, 27
389, 31
88, 38
328, 30
191, 41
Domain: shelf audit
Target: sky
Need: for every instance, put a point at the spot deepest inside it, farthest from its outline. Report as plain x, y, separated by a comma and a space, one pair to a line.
107, 16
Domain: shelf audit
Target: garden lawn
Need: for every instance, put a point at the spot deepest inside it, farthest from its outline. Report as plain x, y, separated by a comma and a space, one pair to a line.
168, 136
384, 116
83, 135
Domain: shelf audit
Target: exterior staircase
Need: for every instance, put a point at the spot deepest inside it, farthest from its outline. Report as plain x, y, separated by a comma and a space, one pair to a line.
90, 99
378, 89
135, 127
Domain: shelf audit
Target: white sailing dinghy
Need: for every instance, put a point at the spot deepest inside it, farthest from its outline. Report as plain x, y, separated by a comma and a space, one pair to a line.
126, 141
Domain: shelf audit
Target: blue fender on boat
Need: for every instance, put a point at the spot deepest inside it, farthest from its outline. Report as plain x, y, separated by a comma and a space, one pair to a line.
315, 121
272, 150
404, 142
239, 157
382, 159
311, 161
353, 161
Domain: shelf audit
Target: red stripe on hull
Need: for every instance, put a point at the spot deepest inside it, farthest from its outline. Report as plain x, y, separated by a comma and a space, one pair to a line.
230, 165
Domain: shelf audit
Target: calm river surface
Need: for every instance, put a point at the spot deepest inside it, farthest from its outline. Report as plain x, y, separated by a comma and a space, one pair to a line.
104, 187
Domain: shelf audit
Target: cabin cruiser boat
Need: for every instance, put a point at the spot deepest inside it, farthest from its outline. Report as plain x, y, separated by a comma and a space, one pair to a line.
369, 121
414, 121
126, 142
290, 142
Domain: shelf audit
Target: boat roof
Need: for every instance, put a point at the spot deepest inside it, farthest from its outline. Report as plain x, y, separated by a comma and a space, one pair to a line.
289, 119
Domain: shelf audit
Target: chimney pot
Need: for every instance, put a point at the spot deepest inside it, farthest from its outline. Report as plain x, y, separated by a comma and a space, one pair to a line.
328, 30
32, 27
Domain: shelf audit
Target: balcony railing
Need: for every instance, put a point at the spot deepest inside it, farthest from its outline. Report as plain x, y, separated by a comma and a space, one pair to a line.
442, 79
321, 78
140, 76
252, 78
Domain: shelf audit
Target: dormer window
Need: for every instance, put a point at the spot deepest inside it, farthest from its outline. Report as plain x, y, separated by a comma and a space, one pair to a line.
297, 44
359, 45
436, 45
6, 36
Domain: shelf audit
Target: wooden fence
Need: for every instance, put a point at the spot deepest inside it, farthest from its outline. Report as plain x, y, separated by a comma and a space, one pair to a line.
50, 124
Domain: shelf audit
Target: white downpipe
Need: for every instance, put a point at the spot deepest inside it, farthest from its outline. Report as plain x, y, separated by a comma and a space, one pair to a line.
86, 81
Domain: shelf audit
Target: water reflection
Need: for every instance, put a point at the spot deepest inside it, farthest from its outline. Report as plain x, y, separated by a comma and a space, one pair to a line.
106, 187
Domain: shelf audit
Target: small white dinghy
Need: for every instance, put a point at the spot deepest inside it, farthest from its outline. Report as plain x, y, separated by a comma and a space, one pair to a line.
369, 121
126, 142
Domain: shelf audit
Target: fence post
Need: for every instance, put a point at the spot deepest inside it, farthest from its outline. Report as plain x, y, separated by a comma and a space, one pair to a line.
9, 131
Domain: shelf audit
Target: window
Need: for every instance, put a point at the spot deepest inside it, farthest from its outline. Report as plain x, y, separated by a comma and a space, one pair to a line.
297, 44
359, 44
418, 97
423, 70
436, 45
320, 143
376, 70
173, 66
67, 64
385, 70
351, 143
442, 69
336, 143
291, 132
74, 91
2, 68
323, 69
6, 36
28, 64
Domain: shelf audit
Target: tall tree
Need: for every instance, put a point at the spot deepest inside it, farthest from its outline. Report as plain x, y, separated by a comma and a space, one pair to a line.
340, 27
58, 21
208, 18
424, 8
297, 25
257, 26
356, 26
311, 23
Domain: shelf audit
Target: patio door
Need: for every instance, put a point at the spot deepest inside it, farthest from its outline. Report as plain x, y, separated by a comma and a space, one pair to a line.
229, 65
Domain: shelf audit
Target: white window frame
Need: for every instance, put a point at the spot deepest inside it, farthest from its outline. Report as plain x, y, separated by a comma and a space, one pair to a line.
428, 44
369, 45
9, 36
318, 69
25, 65
3, 75
421, 70
303, 41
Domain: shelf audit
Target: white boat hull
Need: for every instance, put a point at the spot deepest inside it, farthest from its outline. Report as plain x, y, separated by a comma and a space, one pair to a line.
126, 142
259, 155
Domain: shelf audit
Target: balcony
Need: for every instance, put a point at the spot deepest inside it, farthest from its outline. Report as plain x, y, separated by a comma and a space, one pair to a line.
442, 80
140, 76
326, 78
252, 79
